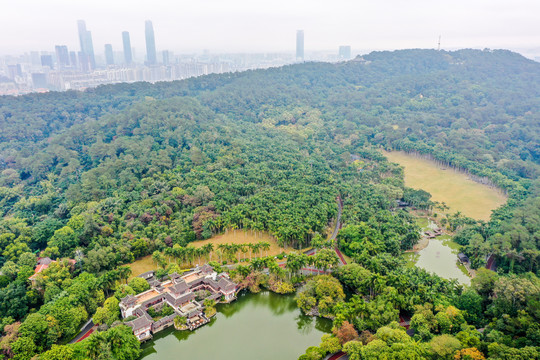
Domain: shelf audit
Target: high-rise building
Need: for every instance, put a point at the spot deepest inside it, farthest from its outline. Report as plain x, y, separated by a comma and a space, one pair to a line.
87, 47
39, 80
47, 60
73, 59
109, 57
345, 52
62, 56
166, 57
128, 56
150, 43
14, 71
300, 45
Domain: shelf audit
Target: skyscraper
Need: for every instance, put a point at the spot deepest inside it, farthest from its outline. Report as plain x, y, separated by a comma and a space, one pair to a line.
150, 43
345, 52
128, 57
165, 54
47, 60
109, 57
62, 56
300, 45
73, 59
87, 47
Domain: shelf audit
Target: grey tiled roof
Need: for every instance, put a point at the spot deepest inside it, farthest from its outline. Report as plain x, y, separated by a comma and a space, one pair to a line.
128, 300
44, 261
147, 275
180, 287
226, 285
139, 323
207, 269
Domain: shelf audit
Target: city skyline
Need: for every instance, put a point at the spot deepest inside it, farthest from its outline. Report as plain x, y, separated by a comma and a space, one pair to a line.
240, 26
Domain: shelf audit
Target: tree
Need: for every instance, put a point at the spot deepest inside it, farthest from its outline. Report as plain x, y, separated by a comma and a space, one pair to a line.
58, 352
444, 346
346, 332
42, 329
330, 344
471, 302
484, 281
325, 258
64, 239
138, 285
354, 350
13, 300
23, 348
469, 354
109, 313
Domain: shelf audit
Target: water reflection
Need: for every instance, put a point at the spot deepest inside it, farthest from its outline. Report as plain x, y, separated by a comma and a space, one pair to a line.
257, 318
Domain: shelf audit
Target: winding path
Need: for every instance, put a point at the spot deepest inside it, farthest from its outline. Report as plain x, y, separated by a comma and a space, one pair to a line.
336, 229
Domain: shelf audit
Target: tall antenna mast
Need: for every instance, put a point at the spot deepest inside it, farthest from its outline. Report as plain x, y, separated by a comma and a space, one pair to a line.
439, 44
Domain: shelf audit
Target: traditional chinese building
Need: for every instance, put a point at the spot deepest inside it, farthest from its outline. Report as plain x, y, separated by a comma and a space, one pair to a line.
179, 292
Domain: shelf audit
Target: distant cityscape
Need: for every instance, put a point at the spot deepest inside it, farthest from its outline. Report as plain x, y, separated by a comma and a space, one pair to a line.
65, 69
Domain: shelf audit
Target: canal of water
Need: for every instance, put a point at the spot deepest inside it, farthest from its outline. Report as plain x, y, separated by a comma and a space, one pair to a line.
260, 326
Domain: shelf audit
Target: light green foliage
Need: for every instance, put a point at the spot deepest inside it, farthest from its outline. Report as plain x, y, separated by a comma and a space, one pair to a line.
322, 292
42, 329
109, 313
444, 346
138, 285
23, 348
124, 290
58, 352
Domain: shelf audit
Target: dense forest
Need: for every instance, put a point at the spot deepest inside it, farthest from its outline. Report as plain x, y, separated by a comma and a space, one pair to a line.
115, 173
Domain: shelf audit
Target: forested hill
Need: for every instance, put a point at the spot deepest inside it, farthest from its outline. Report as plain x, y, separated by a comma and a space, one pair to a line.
429, 95
118, 172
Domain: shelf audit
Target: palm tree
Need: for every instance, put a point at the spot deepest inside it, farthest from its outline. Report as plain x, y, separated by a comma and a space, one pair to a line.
221, 249
244, 248
169, 252
266, 247
124, 272
208, 248
93, 344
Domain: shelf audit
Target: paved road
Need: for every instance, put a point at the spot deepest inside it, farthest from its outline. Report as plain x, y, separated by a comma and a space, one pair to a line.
338, 219
85, 329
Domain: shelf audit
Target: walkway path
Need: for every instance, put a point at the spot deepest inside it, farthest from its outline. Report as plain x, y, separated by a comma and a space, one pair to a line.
339, 355
336, 229
86, 330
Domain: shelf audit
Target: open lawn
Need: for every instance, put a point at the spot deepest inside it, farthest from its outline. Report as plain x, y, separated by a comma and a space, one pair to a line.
242, 237
454, 188
232, 236
142, 265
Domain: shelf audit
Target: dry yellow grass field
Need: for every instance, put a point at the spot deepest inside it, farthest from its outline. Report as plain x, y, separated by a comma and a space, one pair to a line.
242, 237
456, 189
141, 266
232, 236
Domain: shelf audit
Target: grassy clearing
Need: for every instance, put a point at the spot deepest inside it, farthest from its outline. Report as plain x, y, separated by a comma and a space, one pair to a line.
141, 266
454, 188
242, 237
232, 236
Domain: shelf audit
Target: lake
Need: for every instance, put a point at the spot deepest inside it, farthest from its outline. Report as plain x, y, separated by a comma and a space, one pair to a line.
439, 256
260, 326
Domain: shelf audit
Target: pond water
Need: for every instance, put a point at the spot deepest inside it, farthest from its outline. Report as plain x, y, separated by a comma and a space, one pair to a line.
439, 256
260, 326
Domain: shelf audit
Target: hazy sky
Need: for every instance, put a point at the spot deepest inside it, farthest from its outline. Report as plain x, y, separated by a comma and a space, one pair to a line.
263, 25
